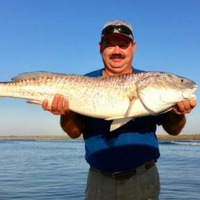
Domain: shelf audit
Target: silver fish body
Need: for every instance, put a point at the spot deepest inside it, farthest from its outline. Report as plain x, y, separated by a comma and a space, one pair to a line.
119, 98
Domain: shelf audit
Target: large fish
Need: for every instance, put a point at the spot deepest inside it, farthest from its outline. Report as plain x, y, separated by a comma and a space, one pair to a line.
119, 98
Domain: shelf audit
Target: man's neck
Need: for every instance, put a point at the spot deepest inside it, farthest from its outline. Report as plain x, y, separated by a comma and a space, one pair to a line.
107, 72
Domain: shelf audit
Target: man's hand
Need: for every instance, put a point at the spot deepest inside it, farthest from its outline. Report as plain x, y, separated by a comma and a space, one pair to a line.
59, 106
184, 107
176, 119
69, 120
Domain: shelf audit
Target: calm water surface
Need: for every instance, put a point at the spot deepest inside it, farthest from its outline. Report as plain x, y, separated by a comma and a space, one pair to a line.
34, 170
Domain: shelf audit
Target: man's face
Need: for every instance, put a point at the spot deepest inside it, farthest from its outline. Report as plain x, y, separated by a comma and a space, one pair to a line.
117, 54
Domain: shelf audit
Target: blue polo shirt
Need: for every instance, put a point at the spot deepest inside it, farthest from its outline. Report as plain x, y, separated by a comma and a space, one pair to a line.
124, 149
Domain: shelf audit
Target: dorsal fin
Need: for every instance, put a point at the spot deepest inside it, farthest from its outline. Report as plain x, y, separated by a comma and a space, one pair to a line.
30, 75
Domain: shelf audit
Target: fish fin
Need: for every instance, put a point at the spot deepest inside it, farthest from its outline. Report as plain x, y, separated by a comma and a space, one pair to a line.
34, 102
131, 106
122, 120
37, 74
117, 123
113, 118
28, 75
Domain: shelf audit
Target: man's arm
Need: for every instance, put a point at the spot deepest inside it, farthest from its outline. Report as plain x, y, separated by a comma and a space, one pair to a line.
69, 120
176, 119
71, 124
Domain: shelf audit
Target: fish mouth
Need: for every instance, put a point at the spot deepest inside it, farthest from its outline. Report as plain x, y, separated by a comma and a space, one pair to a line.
188, 94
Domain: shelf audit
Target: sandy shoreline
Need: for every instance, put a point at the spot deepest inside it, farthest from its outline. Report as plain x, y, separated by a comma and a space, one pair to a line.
180, 137
43, 138
37, 138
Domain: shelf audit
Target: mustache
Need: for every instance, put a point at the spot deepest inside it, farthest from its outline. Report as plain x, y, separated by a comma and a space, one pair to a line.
114, 56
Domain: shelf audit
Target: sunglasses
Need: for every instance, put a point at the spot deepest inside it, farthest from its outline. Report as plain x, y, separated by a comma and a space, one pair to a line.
120, 29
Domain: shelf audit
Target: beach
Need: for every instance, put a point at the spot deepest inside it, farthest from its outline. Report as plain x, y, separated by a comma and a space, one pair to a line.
66, 137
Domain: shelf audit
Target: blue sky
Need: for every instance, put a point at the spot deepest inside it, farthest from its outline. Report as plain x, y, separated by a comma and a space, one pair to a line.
63, 36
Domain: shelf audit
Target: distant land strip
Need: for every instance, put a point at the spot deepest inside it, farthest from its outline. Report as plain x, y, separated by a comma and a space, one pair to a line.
63, 137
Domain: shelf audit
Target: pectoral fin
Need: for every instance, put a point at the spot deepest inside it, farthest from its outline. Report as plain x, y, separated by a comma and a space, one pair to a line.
131, 106
117, 123
34, 102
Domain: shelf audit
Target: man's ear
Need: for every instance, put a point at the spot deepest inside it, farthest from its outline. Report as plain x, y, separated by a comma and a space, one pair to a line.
134, 47
100, 47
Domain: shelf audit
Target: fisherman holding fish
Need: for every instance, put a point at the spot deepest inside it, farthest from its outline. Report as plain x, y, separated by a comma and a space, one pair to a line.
122, 162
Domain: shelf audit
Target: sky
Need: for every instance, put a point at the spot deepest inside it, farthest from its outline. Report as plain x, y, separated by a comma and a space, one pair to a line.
63, 36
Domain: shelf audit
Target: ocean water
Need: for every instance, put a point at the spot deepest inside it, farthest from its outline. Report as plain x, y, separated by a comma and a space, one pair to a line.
41, 170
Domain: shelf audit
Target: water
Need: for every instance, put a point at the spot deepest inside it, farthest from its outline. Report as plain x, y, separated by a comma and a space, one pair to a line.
34, 170
179, 168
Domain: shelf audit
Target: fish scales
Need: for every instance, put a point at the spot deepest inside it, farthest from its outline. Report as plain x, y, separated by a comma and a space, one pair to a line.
120, 97
93, 92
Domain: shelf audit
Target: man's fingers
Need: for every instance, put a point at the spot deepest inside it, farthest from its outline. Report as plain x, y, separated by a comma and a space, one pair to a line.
184, 107
65, 106
54, 105
45, 105
59, 105
193, 103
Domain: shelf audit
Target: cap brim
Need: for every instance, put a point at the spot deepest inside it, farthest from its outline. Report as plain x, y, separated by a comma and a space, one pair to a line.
119, 35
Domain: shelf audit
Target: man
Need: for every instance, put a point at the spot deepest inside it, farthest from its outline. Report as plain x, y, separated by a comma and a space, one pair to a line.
122, 163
